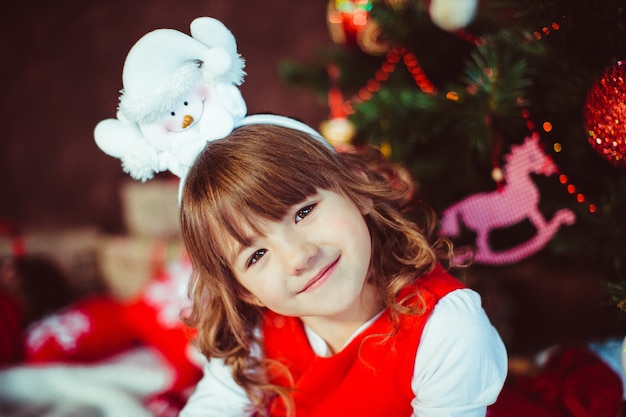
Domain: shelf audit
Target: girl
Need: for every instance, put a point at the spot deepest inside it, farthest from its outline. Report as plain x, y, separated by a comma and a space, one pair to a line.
314, 296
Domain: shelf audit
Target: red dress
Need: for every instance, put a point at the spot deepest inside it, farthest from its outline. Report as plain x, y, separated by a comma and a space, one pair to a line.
372, 375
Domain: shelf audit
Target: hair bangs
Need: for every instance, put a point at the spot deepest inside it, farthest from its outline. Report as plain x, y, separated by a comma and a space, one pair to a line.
247, 202
255, 175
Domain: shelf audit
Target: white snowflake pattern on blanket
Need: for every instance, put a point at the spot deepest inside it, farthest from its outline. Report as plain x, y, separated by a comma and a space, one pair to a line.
65, 327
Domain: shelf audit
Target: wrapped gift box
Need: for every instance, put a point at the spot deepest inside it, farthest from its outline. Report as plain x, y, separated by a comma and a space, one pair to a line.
150, 209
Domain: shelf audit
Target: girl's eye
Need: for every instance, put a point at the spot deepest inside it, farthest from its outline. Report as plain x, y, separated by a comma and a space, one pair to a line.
304, 211
256, 257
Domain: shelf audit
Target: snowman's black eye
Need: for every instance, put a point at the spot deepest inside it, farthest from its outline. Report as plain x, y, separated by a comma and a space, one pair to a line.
186, 103
173, 113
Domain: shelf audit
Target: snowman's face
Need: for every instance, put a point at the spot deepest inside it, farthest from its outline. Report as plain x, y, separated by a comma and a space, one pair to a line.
187, 113
178, 122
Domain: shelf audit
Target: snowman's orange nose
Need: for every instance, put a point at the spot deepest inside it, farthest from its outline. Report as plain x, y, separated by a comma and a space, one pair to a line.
187, 121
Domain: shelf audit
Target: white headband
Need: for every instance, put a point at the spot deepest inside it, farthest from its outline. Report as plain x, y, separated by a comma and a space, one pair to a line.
273, 119
269, 119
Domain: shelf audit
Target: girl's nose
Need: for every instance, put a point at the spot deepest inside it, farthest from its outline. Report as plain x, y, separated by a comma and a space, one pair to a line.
299, 255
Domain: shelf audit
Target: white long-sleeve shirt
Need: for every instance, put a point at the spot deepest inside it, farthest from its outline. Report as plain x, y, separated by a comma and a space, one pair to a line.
459, 369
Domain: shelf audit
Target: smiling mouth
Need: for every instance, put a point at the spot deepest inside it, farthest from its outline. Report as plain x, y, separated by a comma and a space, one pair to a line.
320, 278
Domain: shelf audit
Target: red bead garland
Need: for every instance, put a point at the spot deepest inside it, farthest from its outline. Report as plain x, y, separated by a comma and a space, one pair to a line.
394, 56
397, 53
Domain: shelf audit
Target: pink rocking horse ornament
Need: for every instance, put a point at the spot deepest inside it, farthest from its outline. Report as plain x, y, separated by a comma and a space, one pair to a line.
516, 201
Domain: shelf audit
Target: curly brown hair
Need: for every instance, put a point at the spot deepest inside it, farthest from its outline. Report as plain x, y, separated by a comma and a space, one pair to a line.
260, 172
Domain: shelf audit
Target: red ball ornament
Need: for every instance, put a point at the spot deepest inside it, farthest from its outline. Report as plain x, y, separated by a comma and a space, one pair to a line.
605, 114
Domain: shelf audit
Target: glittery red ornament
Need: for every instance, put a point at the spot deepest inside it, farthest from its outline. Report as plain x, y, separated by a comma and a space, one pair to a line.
605, 114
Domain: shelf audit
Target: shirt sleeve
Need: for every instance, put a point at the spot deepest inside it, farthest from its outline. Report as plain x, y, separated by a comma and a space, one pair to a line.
217, 394
461, 363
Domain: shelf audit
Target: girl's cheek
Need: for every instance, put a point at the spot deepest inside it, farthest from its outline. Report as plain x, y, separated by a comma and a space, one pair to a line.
338, 227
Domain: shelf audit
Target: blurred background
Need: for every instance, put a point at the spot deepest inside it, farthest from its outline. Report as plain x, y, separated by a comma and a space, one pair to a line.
516, 106
62, 75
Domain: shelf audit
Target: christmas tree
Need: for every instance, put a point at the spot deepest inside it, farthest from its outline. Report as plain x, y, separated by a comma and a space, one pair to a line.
510, 115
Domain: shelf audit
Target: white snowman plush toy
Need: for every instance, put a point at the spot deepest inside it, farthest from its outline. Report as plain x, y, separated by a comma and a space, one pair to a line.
179, 92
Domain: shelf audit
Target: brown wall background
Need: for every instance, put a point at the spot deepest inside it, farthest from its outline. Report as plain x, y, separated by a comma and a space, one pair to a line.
61, 74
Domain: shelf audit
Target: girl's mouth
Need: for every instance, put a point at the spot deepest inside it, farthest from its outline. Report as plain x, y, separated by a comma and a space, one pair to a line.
321, 277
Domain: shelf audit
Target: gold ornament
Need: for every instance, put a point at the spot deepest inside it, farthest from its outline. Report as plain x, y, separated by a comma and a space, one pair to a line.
372, 40
338, 131
497, 175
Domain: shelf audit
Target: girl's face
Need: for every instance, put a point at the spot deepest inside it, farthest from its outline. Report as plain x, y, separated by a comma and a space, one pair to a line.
313, 262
